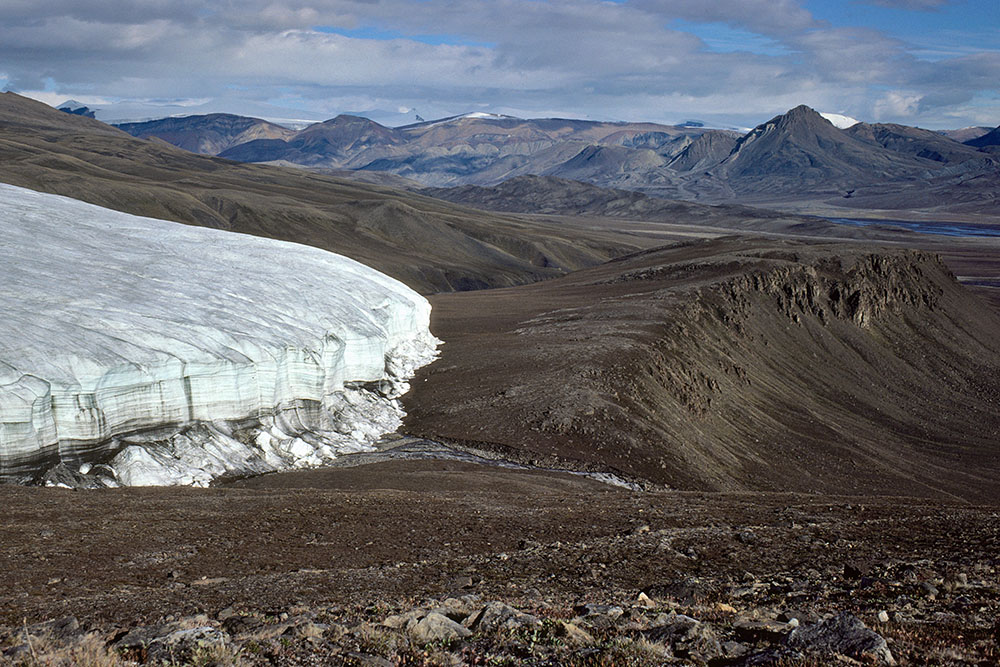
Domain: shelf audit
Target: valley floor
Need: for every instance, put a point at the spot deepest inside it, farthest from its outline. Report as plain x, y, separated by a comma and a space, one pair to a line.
313, 568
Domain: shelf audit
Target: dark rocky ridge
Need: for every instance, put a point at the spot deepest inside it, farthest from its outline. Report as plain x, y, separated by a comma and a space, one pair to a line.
731, 365
801, 150
706, 151
964, 134
210, 134
915, 141
991, 138
330, 143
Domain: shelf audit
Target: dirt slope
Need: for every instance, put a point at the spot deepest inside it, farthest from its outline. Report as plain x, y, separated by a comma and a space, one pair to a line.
731, 365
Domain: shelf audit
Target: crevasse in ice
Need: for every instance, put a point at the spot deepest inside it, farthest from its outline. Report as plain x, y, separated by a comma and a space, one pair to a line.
152, 352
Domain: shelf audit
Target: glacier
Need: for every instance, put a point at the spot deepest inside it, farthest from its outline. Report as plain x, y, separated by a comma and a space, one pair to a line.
840, 121
136, 351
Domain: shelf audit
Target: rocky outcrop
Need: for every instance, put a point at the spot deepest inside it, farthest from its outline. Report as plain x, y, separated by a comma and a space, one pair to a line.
209, 134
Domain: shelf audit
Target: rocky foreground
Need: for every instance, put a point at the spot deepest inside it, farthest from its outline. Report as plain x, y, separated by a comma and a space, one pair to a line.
441, 562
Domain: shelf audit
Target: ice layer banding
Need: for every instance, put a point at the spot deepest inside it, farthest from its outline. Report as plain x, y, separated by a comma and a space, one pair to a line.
140, 351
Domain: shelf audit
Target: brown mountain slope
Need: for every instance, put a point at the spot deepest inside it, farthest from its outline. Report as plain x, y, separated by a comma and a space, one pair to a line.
732, 364
966, 133
706, 151
210, 134
480, 148
915, 141
991, 138
429, 244
334, 143
796, 157
801, 151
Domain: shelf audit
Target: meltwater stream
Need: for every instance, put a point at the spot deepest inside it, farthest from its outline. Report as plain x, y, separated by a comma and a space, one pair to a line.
938, 228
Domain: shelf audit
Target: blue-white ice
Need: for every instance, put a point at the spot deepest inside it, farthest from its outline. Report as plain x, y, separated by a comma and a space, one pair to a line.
179, 354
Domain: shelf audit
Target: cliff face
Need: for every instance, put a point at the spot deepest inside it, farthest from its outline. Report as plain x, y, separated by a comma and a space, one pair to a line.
737, 365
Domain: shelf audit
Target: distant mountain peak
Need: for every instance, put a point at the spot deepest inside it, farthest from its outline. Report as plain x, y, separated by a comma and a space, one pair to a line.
991, 138
802, 114
483, 114
472, 115
346, 118
799, 118
76, 108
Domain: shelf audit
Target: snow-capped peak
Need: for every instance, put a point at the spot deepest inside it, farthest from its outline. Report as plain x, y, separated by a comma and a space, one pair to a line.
483, 114
840, 121
472, 115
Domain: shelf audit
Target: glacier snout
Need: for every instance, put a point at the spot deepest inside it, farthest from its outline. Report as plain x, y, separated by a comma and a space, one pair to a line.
153, 352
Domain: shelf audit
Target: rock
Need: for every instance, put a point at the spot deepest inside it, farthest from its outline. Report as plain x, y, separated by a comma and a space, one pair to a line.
686, 636
645, 601
399, 621
725, 608
613, 612
60, 629
496, 616
173, 642
929, 589
458, 609
843, 634
226, 613
856, 569
883, 616
307, 630
18, 654
63, 631
733, 649
436, 627
687, 591
789, 615
241, 625
767, 631
575, 635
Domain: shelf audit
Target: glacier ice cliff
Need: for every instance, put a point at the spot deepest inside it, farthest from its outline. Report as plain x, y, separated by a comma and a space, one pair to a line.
137, 351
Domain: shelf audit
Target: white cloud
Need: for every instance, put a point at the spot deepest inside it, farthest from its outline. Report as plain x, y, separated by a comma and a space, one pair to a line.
897, 104
587, 58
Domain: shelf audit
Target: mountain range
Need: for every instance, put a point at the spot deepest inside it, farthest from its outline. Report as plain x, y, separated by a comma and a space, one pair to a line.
799, 155
429, 244
374, 217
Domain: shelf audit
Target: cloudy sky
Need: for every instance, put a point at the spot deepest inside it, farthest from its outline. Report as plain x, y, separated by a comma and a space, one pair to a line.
933, 63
